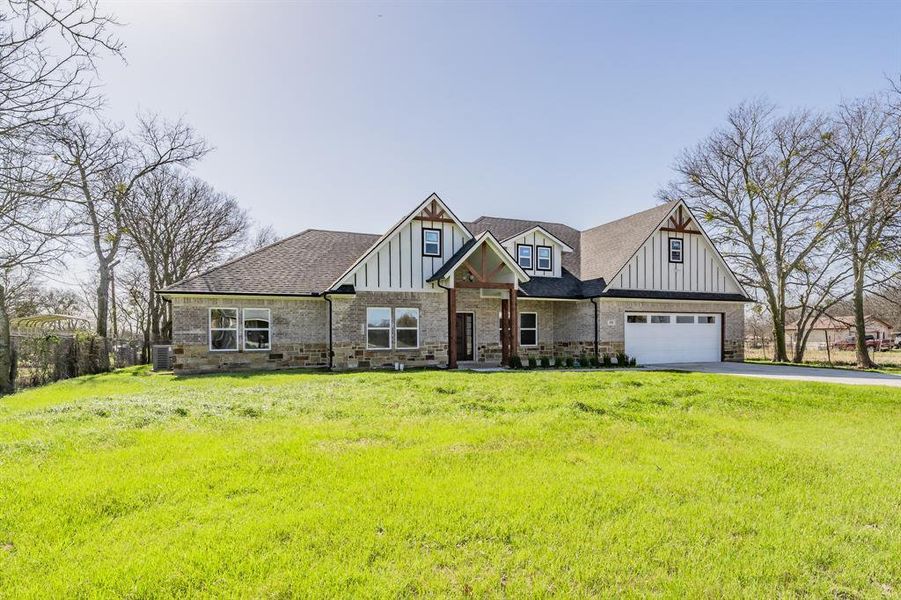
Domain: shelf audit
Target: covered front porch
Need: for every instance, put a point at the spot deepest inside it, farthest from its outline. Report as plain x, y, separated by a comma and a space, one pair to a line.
481, 280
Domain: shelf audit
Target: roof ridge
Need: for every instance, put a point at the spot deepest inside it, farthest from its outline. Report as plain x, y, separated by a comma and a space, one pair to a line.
641, 212
525, 220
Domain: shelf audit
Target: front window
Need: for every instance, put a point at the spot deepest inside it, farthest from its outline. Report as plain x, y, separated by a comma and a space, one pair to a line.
406, 327
378, 328
524, 255
675, 250
256, 328
545, 260
528, 329
223, 329
431, 242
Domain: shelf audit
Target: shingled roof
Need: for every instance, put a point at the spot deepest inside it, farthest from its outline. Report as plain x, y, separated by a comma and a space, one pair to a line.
606, 248
310, 262
301, 265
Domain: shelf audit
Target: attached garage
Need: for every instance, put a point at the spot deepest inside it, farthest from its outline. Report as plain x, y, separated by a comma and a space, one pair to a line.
654, 338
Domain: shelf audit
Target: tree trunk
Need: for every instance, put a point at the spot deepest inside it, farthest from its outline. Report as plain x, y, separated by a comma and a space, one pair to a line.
860, 328
103, 287
7, 385
780, 354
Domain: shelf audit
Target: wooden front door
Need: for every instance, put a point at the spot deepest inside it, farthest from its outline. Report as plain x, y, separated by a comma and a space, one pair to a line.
465, 337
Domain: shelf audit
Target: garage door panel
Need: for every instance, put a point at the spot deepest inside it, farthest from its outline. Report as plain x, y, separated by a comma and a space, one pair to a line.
672, 339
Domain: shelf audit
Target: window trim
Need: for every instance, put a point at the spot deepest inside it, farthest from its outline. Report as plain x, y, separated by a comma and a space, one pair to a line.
440, 242
521, 345
681, 250
390, 328
396, 328
531, 256
210, 329
550, 260
244, 329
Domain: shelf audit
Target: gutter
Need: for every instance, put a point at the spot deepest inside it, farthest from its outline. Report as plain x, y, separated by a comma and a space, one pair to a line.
331, 352
595, 302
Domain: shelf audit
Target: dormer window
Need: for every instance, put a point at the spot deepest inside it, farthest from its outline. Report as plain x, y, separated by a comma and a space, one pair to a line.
524, 255
431, 242
545, 260
675, 250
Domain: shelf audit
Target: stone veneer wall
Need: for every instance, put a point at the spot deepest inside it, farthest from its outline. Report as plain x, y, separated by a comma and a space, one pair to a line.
349, 330
298, 334
612, 321
300, 329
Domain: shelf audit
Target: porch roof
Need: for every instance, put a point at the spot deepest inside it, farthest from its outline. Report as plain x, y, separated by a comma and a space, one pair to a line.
469, 247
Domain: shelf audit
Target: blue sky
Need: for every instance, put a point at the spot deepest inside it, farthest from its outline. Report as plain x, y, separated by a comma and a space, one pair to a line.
344, 116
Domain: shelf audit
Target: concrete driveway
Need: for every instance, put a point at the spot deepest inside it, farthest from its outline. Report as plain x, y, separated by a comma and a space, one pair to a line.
785, 372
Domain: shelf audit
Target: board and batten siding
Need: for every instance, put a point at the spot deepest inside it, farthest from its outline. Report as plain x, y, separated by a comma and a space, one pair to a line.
536, 239
701, 270
399, 264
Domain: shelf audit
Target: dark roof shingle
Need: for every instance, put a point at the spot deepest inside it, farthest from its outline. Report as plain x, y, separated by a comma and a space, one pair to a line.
300, 265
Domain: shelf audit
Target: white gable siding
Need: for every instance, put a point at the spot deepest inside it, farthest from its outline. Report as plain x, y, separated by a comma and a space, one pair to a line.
701, 269
399, 264
535, 239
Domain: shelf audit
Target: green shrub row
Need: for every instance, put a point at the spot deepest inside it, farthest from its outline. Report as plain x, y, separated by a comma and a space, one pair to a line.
621, 359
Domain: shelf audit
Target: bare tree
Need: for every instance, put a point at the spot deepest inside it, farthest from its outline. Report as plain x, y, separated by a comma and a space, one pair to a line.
756, 183
179, 225
100, 166
46, 69
862, 167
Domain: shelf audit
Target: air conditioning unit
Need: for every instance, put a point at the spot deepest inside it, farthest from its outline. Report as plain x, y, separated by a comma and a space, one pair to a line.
161, 357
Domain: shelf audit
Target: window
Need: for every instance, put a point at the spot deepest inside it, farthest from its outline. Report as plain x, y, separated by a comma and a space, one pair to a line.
660, 319
636, 319
707, 319
675, 250
256, 328
545, 258
406, 327
528, 328
431, 242
681, 319
524, 255
223, 329
378, 328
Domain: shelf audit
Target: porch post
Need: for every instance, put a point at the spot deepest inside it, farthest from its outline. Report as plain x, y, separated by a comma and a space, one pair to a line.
505, 331
452, 328
514, 322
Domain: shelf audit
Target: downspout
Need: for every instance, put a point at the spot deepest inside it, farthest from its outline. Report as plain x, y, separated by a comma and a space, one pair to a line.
595, 302
331, 352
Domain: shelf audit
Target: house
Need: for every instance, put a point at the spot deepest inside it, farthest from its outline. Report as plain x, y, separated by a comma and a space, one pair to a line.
437, 291
828, 329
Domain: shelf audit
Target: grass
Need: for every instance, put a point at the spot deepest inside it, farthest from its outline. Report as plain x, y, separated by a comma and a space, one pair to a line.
450, 484
887, 362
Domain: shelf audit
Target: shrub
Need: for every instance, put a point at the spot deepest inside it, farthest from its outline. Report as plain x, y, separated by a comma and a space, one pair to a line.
545, 362
594, 362
569, 362
621, 359
558, 361
583, 361
532, 362
606, 360
633, 362
515, 362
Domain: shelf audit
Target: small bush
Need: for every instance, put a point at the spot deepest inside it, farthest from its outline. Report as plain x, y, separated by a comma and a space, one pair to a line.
606, 360
532, 362
583, 361
570, 362
558, 361
515, 362
545, 362
621, 359
633, 362
594, 362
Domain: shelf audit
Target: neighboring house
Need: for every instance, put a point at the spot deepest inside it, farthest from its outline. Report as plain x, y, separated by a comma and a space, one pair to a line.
651, 285
828, 329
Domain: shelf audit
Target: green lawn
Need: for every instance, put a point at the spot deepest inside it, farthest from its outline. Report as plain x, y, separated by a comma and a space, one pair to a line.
491, 484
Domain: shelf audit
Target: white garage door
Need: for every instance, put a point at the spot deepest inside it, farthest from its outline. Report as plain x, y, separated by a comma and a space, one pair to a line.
673, 337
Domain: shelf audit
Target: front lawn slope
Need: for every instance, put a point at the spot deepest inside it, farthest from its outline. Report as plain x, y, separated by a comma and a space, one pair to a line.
483, 484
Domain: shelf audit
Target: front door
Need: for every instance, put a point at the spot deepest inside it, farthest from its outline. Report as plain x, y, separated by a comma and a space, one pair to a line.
464, 337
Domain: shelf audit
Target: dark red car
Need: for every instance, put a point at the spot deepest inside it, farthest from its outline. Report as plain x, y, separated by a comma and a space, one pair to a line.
850, 343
